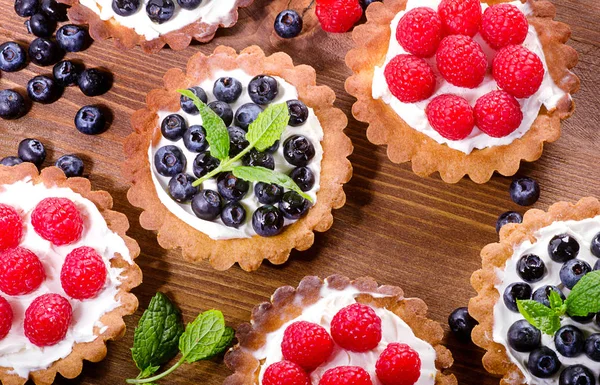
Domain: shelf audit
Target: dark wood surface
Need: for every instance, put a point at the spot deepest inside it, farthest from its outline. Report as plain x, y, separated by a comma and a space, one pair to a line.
418, 233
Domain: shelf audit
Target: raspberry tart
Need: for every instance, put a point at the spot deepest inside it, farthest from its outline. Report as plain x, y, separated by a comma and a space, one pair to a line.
462, 87
198, 163
339, 331
65, 274
548, 263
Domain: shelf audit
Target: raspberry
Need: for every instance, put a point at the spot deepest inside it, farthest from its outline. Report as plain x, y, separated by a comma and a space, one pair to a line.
6, 317
47, 320
460, 17
398, 364
502, 25
306, 344
451, 116
83, 273
346, 375
11, 227
518, 71
21, 271
356, 328
285, 373
410, 78
57, 220
338, 16
420, 31
498, 114
461, 61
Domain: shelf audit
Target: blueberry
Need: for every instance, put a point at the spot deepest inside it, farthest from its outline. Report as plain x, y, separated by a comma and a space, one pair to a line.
26, 8
268, 194
223, 110
90, 120
173, 127
125, 7
365, 3
298, 112
584, 319
160, 11
542, 294
32, 150
204, 163
55, 10
72, 165
461, 323
263, 89
246, 114
523, 337
237, 140
515, 291
298, 150
189, 4
259, 159
43, 89
194, 139
531, 268
595, 246
207, 205
577, 375
44, 52
10, 161
597, 265
267, 221
66, 73
569, 341
508, 217
563, 248
169, 161
12, 56
233, 214
293, 205
231, 187
572, 271
181, 188
304, 178
94, 82
592, 347
227, 89
543, 363
524, 191
12, 105
188, 105
288, 24
596, 320
41, 25
72, 38
273, 148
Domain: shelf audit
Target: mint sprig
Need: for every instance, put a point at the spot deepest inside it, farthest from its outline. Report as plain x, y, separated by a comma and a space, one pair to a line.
261, 174
585, 296
542, 317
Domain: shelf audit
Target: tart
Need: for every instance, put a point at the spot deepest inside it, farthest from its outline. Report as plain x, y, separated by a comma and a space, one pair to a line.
219, 216
52, 226
549, 251
355, 324
463, 132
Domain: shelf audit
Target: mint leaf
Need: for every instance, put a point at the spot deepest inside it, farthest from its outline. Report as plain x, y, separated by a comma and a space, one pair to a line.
225, 341
217, 135
156, 337
585, 296
202, 336
268, 126
540, 316
262, 174
556, 303
147, 372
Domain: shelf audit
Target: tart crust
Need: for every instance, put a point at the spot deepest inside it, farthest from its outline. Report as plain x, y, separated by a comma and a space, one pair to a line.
428, 156
95, 351
248, 252
494, 256
127, 38
287, 303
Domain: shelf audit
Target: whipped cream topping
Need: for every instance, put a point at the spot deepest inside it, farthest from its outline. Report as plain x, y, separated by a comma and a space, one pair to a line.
311, 129
393, 328
583, 231
414, 115
16, 351
209, 12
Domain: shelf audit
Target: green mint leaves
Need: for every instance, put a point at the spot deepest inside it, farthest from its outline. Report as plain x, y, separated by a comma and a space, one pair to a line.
261, 174
268, 127
540, 316
203, 336
585, 296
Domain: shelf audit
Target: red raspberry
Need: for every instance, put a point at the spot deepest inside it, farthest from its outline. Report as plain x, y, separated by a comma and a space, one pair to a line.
338, 16
498, 114
461, 61
398, 364
420, 31
11, 227
451, 116
57, 220
21, 271
346, 375
460, 17
502, 25
285, 373
6, 317
83, 273
518, 71
356, 328
410, 78
47, 320
306, 344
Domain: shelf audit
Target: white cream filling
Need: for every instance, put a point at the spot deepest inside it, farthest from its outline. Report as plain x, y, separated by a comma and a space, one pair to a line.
583, 231
394, 329
414, 113
16, 351
210, 12
311, 129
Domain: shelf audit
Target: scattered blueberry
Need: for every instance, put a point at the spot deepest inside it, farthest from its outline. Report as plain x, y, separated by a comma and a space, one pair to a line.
577, 375
542, 294
461, 323
181, 188
204, 163
237, 140
207, 205
90, 120
298, 150
288, 24
188, 105
72, 165
173, 127
231, 187
169, 161
595, 246
189, 4
72, 38
592, 347
12, 56
12, 105
515, 291
125, 7
227, 89
223, 110
584, 319
26, 8
569, 341
32, 150
263, 89
233, 214
523, 337
246, 114
43, 89
524, 191
160, 11
267, 221
94, 82
531, 268
10, 161
298, 112
259, 159
365, 3
41, 25
304, 178
563, 248
44, 52
55, 10
293, 205
508, 217
66, 73
194, 138
543, 363
268, 194
572, 271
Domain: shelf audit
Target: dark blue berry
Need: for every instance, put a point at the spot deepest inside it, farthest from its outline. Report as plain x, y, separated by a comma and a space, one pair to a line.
288, 24
181, 188
12, 105
43, 89
524, 191
298, 150
169, 161
543, 363
223, 110
227, 89
298, 112
246, 114
569, 341
231, 187
94, 82
160, 11
515, 291
577, 375
204, 163
267, 221
523, 337
173, 127
263, 89
365, 3
189, 4
233, 214
597, 265
293, 205
304, 178
90, 120
595, 246
461, 323
592, 347
72, 38
41, 25
207, 205
583, 319
71, 165
188, 105
273, 148
237, 140
26, 8
563, 248
194, 138
572, 271
44, 52
596, 320
542, 294
125, 7
531, 268
32, 150
10, 161
12, 56
508, 217
66, 73
54, 9
268, 194
259, 159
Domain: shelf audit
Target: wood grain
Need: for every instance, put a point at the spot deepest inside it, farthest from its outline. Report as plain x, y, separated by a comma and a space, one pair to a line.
421, 234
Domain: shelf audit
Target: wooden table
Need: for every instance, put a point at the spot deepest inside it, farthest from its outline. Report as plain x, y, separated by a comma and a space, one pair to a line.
418, 233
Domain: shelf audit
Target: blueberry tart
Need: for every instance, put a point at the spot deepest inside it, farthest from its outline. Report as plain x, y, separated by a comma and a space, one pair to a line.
249, 180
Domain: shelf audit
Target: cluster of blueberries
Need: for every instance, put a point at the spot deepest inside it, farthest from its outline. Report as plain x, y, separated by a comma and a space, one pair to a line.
170, 161
524, 192
33, 151
159, 11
